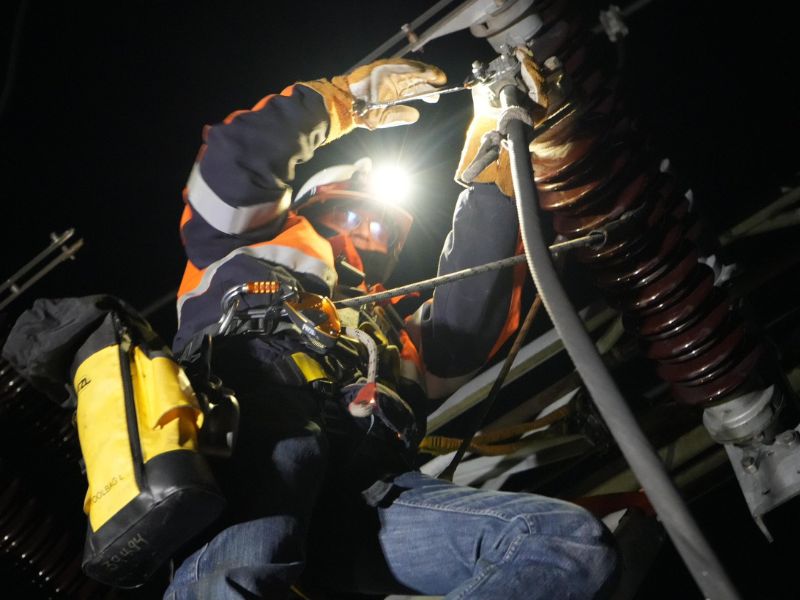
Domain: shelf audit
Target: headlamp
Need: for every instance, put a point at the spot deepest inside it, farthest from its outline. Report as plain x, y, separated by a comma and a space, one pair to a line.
390, 184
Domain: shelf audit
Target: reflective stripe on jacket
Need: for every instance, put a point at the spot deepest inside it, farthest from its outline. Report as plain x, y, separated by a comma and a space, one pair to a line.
235, 224
297, 248
236, 228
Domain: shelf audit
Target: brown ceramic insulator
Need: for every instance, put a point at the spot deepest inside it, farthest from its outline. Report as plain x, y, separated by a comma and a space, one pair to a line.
571, 198
654, 287
35, 540
726, 382
606, 179
7, 377
651, 256
5, 368
555, 166
629, 235
700, 366
559, 132
573, 144
692, 334
594, 169
41, 422
716, 360
573, 57
63, 574
654, 210
620, 257
31, 537
668, 316
617, 248
13, 528
70, 577
55, 558
562, 31
10, 392
552, 39
577, 49
618, 197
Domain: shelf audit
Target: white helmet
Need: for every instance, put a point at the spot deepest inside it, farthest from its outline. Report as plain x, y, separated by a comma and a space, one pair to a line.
355, 174
350, 183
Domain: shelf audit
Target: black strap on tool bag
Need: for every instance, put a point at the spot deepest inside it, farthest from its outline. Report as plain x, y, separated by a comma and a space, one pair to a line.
149, 488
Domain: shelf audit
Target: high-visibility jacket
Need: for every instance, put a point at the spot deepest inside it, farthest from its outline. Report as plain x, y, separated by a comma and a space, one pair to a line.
237, 227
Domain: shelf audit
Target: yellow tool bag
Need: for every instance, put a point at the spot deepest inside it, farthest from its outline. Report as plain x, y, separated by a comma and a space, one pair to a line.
149, 488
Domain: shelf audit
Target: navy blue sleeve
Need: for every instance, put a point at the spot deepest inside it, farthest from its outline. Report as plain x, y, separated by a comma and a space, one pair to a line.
239, 189
465, 319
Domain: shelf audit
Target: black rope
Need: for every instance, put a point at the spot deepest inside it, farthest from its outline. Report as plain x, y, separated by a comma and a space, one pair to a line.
450, 470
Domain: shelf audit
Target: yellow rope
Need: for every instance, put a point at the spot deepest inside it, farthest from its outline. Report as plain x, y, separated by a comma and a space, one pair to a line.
485, 445
516, 430
296, 590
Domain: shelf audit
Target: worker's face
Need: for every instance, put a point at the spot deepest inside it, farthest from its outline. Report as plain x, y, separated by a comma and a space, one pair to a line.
368, 229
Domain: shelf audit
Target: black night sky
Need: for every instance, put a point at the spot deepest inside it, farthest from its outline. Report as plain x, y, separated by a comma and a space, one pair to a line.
106, 111
105, 103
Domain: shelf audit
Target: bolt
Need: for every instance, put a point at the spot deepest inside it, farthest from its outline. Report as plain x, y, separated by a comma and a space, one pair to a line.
412, 37
552, 63
749, 464
788, 438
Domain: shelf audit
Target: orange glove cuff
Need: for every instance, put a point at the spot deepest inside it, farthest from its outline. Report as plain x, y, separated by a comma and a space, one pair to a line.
339, 104
498, 172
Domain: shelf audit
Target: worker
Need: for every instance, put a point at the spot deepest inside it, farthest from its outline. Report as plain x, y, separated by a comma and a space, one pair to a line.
322, 481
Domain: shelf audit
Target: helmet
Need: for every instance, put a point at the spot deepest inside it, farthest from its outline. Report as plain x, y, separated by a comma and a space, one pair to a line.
348, 188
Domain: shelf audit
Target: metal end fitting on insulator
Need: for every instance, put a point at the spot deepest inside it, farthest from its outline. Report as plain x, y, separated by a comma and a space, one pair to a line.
502, 71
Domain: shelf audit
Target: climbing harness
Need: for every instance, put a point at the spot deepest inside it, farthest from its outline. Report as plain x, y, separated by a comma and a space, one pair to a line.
313, 315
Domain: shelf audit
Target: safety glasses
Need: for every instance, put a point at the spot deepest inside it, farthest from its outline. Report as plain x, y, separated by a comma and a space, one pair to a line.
381, 227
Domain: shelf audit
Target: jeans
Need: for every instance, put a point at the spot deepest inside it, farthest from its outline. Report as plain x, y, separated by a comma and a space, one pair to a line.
294, 514
433, 538
271, 483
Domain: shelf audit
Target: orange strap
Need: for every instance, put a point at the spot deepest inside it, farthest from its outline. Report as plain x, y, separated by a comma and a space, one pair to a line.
297, 233
515, 305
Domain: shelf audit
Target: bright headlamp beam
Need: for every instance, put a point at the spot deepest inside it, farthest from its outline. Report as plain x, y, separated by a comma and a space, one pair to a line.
390, 184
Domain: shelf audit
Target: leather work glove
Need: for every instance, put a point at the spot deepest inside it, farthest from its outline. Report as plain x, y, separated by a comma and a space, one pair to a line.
380, 81
487, 112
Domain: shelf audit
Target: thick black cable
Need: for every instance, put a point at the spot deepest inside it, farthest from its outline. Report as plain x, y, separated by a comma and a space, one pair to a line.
637, 450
